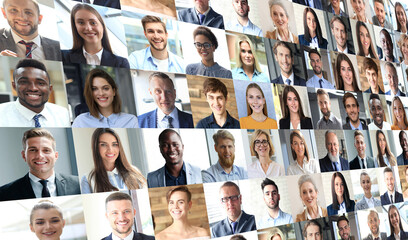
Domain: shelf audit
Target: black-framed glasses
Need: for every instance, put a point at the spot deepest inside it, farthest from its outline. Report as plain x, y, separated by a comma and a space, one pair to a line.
199, 45
263, 142
232, 198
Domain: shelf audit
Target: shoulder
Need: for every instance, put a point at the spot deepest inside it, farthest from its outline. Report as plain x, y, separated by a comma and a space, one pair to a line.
185, 12
204, 123
81, 120
50, 42
192, 167
69, 178
16, 183
192, 68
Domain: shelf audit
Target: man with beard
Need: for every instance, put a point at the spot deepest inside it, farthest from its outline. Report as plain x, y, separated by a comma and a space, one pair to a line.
352, 107
328, 121
156, 57
224, 169
121, 215
32, 109
317, 81
175, 172
391, 196
373, 222
361, 161
22, 39
274, 216
242, 23
403, 158
377, 114
339, 31
371, 73
201, 14
391, 76
344, 228
379, 18
387, 46
332, 161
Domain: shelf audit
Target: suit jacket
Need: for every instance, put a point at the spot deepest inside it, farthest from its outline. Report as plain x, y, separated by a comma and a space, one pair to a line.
332, 211
362, 204
355, 164
105, 3
302, 216
136, 236
149, 119
305, 123
383, 236
212, 19
158, 177
21, 188
223, 228
349, 51
385, 198
298, 81
348, 127
402, 94
304, 42
51, 48
317, 3
107, 59
403, 235
400, 160
327, 166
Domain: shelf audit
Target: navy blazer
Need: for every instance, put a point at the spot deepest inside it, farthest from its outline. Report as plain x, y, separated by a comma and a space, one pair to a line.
306, 123
105, 3
403, 235
212, 19
21, 188
107, 59
327, 166
355, 163
223, 228
303, 42
401, 161
317, 3
385, 198
136, 236
298, 81
332, 211
149, 119
349, 51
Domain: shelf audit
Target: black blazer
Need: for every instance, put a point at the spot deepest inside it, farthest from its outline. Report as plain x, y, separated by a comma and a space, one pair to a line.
327, 166
136, 236
108, 58
305, 123
385, 198
297, 81
105, 3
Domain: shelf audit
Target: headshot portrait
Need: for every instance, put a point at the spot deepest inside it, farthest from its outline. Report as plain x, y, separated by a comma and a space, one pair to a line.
340, 33
398, 112
389, 186
339, 193
336, 7
365, 188
382, 17
364, 41
385, 39
318, 68
325, 108
394, 84
383, 148
371, 80
334, 156
315, 229
359, 149
376, 107
199, 13
360, 11
401, 17
345, 71
352, 111
372, 223
402, 46
344, 226
401, 149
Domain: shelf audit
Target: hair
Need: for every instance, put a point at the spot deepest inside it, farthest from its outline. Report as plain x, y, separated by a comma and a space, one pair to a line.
88, 92
358, 133
311, 223
321, 91
394, 118
179, 189
205, 31
340, 83
283, 44
402, 41
319, 34
267, 182
370, 64
275, 232
46, 205
162, 76
398, 4
379, 1
306, 178
297, 133
337, 18
238, 60
230, 184
238, 237
249, 110
364, 173
256, 134
271, 3
349, 95
400, 135
346, 195
399, 217
374, 96
371, 50
77, 39
38, 132
214, 85
286, 112
152, 19
314, 51
37, 7
132, 177
388, 64
386, 34
371, 213
117, 196
388, 170
164, 134
388, 152
342, 218
327, 133
29, 62
223, 134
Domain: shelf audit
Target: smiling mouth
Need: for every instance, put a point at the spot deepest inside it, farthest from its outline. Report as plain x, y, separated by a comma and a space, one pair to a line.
40, 162
49, 233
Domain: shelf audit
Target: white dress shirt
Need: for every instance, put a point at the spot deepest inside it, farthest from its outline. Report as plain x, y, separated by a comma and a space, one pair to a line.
128, 237
37, 50
38, 187
163, 123
92, 59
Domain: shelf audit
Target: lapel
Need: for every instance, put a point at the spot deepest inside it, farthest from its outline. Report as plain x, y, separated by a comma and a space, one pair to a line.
9, 40
76, 56
60, 183
152, 119
28, 189
188, 173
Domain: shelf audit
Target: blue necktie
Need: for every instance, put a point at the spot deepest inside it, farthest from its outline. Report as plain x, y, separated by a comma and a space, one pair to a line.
320, 82
169, 121
288, 81
201, 16
36, 120
234, 226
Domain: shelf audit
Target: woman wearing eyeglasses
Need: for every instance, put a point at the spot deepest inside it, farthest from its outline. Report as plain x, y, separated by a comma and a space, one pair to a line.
261, 146
302, 163
206, 42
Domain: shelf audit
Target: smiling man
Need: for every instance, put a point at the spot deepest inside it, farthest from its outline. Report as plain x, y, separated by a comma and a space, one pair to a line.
339, 31
361, 161
32, 109
317, 81
377, 114
390, 74
373, 222
242, 23
39, 152
371, 73
332, 161
121, 216
353, 121
201, 14
328, 121
379, 18
391, 196
22, 39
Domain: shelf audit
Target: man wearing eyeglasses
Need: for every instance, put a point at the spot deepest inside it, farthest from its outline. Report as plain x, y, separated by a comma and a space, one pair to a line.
275, 216
237, 221
344, 228
224, 169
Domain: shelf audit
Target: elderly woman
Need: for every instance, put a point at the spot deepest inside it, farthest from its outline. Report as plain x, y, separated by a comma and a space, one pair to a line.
302, 163
368, 201
280, 18
403, 45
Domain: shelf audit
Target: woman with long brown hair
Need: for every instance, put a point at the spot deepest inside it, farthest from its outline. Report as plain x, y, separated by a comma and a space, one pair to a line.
384, 158
345, 75
293, 116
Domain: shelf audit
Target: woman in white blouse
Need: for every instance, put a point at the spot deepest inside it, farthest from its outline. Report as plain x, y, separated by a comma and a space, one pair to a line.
261, 146
302, 164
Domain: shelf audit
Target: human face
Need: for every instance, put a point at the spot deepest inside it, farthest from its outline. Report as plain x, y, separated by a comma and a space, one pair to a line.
359, 7
311, 22
340, 34
324, 104
284, 60
298, 146
226, 152
201, 5
108, 147
382, 142
404, 49
262, 149
394, 218
47, 224
255, 100
332, 144
338, 187
346, 73
364, 37
313, 233
217, 102
33, 88
335, 3
399, 111
271, 197
386, 44
40, 156
352, 109
120, 214
232, 208
360, 145
279, 17
23, 18
241, 7
246, 55
172, 149
293, 102
379, 12
163, 93
404, 142
207, 55
316, 63
377, 112
389, 181
373, 223
179, 205
401, 17
89, 27
276, 237
371, 75
156, 35
103, 93
344, 230
392, 78
365, 183
308, 194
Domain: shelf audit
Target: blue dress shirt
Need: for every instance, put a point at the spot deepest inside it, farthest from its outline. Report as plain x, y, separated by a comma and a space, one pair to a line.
115, 120
267, 221
114, 178
250, 28
217, 174
314, 82
143, 59
181, 179
239, 73
209, 122
213, 71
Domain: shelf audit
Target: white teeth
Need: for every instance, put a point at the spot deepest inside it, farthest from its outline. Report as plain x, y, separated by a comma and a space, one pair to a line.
40, 163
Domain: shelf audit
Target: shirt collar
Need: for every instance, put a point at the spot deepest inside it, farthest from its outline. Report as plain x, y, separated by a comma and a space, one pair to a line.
249, 23
98, 54
221, 170
128, 237
317, 78
308, 217
112, 118
279, 215
235, 220
228, 120
291, 78
33, 178
36, 40
161, 115
205, 13
28, 114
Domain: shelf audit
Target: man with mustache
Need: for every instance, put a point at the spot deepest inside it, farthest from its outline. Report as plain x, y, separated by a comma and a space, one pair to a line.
379, 18
201, 14
332, 161
328, 121
403, 158
353, 122
339, 31
373, 221
361, 161
391, 196
377, 114
242, 23
371, 72
224, 169
156, 57
317, 81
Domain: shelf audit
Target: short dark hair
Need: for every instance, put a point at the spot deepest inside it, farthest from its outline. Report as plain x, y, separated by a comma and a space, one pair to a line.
162, 76
349, 95
388, 169
179, 189
29, 62
370, 64
321, 91
267, 182
117, 196
314, 51
386, 34
342, 218
379, 1
337, 18
214, 85
230, 184
374, 96
283, 44
37, 132
152, 19
237, 237
311, 223
358, 133
164, 133
205, 31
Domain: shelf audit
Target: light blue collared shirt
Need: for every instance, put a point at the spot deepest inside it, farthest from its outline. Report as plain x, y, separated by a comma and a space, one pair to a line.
267, 221
143, 59
360, 127
239, 73
114, 178
250, 28
115, 120
314, 82
217, 174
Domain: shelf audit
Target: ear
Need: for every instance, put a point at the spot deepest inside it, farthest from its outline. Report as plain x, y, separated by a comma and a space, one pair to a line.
13, 83
23, 155
4, 13
31, 228
190, 204
40, 19
215, 147
51, 88
63, 223
56, 156
150, 91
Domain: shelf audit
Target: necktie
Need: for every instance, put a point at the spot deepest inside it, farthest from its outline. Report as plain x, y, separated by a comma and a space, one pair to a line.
288, 81
234, 225
169, 121
321, 83
29, 46
362, 161
392, 201
201, 16
377, 238
45, 192
36, 120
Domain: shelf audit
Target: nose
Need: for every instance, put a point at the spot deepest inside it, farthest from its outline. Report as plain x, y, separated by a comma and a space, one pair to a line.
32, 86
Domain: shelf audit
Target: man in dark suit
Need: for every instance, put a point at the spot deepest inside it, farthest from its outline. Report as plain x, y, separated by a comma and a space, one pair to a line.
41, 181
202, 14
310, 3
390, 74
339, 31
361, 161
23, 40
391, 196
284, 56
162, 89
332, 161
373, 222
121, 216
353, 121
237, 221
403, 139
105, 3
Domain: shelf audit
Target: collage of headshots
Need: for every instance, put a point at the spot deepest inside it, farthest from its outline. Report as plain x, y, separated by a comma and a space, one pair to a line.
199, 119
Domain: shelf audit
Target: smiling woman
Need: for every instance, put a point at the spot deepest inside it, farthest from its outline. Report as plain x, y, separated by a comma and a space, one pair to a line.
46, 221
340, 195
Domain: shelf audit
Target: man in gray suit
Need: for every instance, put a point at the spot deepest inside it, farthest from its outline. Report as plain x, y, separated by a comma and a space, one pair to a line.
22, 39
373, 222
361, 161
237, 221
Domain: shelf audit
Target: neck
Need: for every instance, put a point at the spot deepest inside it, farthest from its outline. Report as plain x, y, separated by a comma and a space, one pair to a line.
406, 61
43, 176
249, 70
395, 91
341, 48
181, 224
264, 160
396, 230
174, 169
287, 75
258, 115
243, 21
340, 199
368, 195
294, 116
402, 125
26, 38
362, 155
336, 10
300, 160
405, 155
226, 169
92, 48
327, 117
161, 55
375, 89
208, 63
361, 17
233, 219
36, 110
313, 211
202, 11
355, 123
312, 34
220, 119
403, 28
122, 235
284, 33
376, 235
106, 112
110, 167
380, 126
273, 213
319, 75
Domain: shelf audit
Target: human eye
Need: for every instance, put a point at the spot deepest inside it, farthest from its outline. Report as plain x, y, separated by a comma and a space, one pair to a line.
102, 144
114, 213
30, 13
94, 88
39, 222
57, 220
115, 144
93, 23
